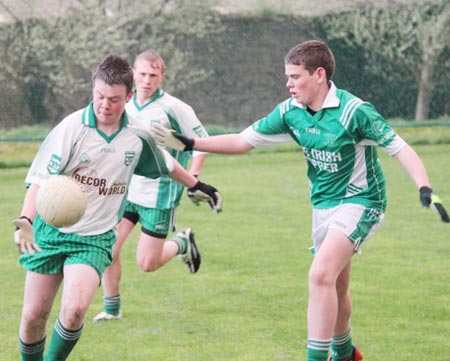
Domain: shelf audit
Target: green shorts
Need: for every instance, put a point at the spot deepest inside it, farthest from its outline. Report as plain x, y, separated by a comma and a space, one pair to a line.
356, 221
59, 249
154, 221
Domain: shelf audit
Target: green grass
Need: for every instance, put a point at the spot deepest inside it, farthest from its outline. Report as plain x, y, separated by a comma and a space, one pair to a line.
248, 302
19, 145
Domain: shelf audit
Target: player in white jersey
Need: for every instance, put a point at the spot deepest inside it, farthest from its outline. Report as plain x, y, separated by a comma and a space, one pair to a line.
339, 134
101, 147
153, 202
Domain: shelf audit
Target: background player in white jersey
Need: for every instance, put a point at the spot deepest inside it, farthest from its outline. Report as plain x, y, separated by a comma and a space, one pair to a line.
339, 134
101, 147
153, 202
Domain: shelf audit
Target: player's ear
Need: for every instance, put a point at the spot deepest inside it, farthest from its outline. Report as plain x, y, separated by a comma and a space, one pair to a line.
321, 74
129, 95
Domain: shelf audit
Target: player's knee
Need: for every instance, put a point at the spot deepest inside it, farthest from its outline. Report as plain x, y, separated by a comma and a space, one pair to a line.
72, 315
34, 316
321, 278
148, 265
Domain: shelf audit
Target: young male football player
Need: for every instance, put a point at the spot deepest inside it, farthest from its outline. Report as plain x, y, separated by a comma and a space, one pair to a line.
153, 202
101, 146
339, 134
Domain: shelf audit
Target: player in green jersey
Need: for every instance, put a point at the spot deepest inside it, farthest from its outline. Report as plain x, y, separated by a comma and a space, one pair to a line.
339, 134
100, 146
153, 202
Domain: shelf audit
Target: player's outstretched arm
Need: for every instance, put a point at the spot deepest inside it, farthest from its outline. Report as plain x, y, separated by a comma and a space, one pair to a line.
224, 144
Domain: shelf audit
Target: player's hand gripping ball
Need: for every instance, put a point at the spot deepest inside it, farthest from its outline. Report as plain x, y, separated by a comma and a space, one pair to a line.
60, 201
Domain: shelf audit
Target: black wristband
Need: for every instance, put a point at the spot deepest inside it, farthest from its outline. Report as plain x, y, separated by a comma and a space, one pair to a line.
425, 189
28, 219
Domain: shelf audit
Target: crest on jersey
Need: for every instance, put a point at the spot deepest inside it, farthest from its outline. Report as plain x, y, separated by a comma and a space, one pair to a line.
129, 156
54, 164
329, 139
84, 158
378, 127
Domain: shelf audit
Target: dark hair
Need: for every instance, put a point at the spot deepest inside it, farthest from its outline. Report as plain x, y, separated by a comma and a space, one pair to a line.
114, 70
312, 54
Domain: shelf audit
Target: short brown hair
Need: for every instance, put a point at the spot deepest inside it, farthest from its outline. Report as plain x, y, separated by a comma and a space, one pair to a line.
312, 54
153, 57
114, 70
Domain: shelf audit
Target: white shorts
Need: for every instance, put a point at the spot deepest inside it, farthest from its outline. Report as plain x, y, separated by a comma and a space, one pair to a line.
356, 221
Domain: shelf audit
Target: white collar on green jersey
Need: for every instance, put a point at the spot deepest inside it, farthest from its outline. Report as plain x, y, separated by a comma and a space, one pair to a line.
331, 100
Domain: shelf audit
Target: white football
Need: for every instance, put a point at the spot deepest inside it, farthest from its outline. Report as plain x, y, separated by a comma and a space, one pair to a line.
60, 201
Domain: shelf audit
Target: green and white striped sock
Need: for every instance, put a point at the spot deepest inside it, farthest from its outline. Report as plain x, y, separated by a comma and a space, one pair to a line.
112, 304
317, 350
341, 346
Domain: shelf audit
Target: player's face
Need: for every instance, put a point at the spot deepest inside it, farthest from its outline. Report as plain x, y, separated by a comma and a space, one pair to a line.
306, 88
109, 104
147, 78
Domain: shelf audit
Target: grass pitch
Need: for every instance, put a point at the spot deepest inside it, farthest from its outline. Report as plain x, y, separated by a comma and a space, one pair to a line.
248, 301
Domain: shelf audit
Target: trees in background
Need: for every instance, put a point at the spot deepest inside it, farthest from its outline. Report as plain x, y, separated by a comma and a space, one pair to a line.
395, 54
49, 61
414, 35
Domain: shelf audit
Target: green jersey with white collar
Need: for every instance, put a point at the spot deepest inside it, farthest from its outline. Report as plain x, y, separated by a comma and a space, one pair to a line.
339, 144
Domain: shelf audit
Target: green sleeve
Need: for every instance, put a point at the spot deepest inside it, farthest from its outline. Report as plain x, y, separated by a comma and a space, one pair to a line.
373, 126
273, 123
152, 163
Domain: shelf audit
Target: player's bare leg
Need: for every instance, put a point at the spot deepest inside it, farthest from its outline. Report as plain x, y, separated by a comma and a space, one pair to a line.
39, 295
153, 253
80, 284
32, 336
113, 274
331, 262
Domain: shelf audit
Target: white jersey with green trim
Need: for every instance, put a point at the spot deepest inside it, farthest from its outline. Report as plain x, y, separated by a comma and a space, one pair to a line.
102, 164
165, 109
339, 144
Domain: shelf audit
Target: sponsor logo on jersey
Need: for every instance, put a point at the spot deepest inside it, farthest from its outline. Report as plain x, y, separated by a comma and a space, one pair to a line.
54, 164
116, 188
324, 160
312, 130
91, 182
108, 150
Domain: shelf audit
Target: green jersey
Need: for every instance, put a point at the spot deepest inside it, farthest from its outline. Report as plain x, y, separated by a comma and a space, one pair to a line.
163, 108
339, 144
102, 164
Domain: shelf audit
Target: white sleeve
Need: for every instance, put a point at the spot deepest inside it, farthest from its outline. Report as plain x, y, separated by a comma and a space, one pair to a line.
395, 146
168, 158
186, 119
258, 140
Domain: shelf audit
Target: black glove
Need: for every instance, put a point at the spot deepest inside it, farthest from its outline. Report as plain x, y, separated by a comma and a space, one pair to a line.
428, 199
188, 142
203, 192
